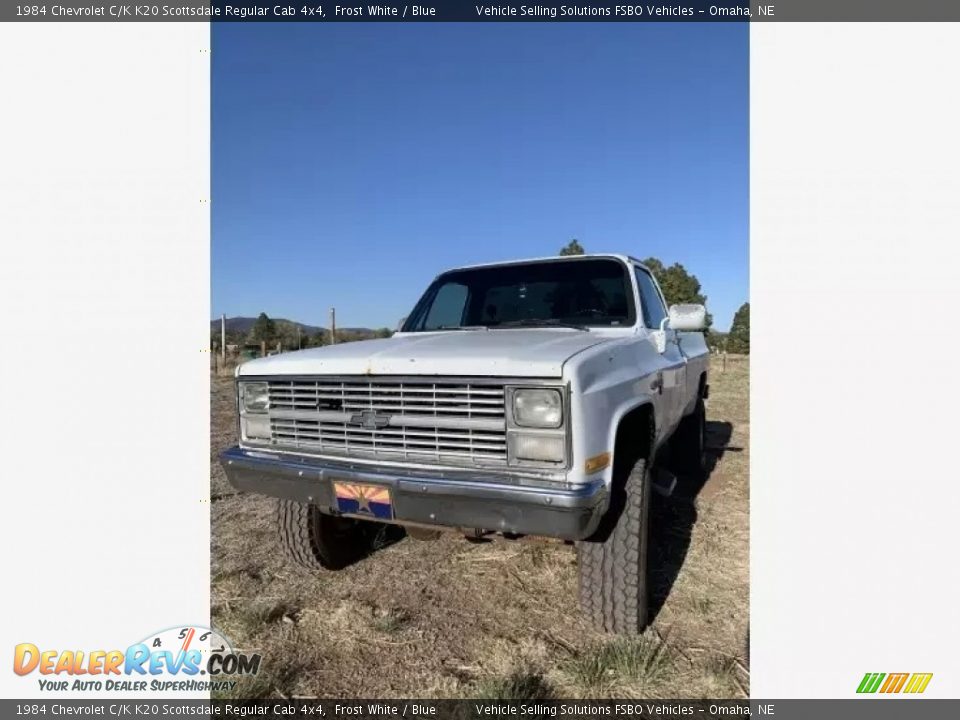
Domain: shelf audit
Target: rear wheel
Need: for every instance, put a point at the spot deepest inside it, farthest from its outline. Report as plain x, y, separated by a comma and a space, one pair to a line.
316, 541
613, 564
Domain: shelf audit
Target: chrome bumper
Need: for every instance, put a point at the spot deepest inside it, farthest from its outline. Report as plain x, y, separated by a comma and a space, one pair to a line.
454, 498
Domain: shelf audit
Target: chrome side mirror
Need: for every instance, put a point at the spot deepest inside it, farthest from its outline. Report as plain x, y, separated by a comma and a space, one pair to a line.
689, 318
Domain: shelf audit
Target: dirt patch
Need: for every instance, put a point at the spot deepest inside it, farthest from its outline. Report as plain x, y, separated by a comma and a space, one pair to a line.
451, 619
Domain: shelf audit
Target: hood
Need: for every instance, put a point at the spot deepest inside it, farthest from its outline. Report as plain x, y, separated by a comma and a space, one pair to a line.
508, 353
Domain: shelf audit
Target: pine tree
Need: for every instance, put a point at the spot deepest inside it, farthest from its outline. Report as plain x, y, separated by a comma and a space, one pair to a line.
738, 341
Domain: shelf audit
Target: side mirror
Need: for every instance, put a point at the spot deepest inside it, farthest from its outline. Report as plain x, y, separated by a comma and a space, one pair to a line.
400, 324
688, 317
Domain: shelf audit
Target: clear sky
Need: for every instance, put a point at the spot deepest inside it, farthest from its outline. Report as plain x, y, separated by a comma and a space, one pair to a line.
353, 162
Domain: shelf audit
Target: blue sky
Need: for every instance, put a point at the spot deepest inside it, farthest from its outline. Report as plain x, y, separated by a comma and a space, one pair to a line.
353, 162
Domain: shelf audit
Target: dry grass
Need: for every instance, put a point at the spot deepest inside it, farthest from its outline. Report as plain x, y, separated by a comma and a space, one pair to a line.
224, 367
453, 619
623, 666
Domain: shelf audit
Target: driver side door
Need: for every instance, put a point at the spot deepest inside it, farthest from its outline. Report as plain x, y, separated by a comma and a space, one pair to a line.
673, 365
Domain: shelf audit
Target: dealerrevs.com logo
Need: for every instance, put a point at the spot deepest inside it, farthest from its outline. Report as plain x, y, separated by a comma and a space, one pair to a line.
182, 659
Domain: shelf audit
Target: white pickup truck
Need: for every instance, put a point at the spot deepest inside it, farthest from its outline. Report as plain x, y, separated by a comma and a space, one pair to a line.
523, 398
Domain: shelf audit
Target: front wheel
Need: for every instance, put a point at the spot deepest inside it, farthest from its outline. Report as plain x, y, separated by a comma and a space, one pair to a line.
613, 565
317, 541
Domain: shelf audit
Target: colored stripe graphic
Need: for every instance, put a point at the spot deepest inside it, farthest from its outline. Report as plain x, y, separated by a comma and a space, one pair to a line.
894, 683
918, 682
870, 682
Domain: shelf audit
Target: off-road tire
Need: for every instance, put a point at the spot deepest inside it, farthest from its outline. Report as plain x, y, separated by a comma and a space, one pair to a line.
613, 564
689, 444
316, 541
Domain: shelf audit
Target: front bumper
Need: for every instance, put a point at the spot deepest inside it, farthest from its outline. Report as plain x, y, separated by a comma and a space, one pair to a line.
454, 498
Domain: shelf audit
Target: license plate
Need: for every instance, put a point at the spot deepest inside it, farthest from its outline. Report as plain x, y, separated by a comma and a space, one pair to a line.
361, 499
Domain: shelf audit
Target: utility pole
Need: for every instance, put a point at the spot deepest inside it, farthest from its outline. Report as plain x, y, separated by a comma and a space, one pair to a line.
333, 326
298, 338
223, 338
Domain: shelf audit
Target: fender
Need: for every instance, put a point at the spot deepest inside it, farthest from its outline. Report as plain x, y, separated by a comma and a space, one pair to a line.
619, 413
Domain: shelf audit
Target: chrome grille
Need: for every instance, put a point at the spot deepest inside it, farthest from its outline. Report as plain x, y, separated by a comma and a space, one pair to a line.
439, 422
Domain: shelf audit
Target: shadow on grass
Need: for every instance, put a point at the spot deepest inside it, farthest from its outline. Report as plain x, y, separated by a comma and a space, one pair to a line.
672, 519
379, 537
519, 685
355, 540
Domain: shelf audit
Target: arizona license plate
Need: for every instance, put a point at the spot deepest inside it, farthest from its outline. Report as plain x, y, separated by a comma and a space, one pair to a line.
360, 499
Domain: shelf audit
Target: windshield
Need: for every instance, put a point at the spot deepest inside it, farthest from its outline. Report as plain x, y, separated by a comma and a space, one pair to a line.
593, 292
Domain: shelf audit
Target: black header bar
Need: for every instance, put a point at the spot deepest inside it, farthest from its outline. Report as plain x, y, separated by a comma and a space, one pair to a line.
478, 11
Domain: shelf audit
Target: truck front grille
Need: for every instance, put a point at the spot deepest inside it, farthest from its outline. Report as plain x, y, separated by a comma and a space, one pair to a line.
461, 423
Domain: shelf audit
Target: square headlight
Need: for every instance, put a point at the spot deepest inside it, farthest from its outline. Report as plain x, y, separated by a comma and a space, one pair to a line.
537, 407
254, 397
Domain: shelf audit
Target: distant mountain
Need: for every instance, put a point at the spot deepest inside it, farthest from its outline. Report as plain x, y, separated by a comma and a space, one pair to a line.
244, 325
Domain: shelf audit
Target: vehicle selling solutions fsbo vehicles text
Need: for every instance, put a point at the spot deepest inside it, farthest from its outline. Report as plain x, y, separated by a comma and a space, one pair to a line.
662, 11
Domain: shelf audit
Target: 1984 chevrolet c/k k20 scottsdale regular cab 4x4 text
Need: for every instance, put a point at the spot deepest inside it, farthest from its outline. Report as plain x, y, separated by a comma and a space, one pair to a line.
522, 398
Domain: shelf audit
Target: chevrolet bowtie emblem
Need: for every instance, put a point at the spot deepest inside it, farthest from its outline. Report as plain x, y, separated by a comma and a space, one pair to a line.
370, 420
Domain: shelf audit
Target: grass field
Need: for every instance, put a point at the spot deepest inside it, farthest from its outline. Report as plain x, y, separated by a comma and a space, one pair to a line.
499, 620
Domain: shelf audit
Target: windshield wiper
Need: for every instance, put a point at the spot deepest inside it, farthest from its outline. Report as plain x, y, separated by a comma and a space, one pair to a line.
540, 322
463, 327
